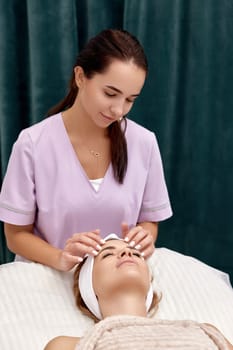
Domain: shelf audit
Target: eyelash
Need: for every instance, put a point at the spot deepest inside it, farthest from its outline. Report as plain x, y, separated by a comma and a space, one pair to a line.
137, 254
108, 254
113, 95
110, 95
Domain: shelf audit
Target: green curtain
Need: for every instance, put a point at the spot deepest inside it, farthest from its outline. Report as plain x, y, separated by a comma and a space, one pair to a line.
187, 99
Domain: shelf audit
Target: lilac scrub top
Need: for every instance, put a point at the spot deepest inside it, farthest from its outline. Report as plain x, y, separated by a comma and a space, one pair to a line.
45, 184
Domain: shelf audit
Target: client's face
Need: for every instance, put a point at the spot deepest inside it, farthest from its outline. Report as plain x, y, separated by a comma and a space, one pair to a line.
118, 266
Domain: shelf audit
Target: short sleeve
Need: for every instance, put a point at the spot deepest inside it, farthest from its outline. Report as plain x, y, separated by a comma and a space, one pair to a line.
17, 198
156, 204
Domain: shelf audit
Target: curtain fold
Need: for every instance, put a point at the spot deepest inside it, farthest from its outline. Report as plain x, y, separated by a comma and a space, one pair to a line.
94, 16
187, 99
52, 47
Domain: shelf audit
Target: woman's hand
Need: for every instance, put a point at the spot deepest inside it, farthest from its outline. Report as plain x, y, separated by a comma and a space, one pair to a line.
77, 247
141, 237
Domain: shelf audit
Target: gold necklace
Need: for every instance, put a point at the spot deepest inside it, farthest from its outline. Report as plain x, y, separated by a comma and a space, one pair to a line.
97, 156
90, 150
100, 158
94, 153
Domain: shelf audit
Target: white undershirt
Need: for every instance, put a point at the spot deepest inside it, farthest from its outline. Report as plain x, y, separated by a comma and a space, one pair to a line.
96, 183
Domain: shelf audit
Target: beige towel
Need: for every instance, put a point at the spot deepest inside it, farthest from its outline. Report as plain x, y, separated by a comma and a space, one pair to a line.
140, 333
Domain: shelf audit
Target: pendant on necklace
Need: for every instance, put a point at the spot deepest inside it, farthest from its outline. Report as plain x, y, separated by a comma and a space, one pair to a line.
95, 154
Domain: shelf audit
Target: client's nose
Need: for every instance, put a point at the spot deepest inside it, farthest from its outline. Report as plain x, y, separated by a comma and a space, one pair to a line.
125, 252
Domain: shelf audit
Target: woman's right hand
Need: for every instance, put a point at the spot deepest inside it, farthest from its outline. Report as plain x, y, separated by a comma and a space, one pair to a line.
77, 247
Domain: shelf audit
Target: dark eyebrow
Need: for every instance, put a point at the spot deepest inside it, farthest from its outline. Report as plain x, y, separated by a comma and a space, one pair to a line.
112, 247
117, 90
109, 247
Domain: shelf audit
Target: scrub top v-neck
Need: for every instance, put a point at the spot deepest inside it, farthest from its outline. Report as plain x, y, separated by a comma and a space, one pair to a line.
70, 148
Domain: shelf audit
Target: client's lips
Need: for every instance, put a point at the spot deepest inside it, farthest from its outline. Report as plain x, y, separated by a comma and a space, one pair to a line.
126, 261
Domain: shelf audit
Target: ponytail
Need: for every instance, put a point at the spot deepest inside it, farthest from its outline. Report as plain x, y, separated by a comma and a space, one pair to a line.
119, 154
67, 101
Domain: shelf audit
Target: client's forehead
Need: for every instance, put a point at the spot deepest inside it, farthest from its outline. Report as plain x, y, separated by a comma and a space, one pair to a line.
115, 243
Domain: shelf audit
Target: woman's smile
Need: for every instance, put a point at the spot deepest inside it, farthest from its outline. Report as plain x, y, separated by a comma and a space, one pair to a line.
108, 118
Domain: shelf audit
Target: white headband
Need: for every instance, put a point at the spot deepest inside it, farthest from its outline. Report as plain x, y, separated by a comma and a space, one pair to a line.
86, 285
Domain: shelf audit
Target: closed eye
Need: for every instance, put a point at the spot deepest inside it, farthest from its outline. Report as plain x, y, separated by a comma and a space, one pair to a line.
106, 255
109, 94
131, 101
137, 254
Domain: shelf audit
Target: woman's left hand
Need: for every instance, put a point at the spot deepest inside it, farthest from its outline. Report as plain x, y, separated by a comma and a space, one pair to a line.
140, 238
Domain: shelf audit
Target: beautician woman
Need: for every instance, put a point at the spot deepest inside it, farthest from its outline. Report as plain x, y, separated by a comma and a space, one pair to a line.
87, 169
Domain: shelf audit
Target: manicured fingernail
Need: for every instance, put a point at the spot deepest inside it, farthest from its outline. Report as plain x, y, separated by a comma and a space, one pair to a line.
79, 259
102, 241
138, 246
94, 252
98, 247
126, 239
132, 244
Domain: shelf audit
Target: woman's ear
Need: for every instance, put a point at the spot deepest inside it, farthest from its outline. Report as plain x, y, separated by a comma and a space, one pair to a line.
79, 76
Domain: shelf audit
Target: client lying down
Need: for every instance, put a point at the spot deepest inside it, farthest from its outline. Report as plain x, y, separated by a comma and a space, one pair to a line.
114, 289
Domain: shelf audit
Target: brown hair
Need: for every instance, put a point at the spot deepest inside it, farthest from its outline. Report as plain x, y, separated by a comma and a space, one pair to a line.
96, 57
84, 309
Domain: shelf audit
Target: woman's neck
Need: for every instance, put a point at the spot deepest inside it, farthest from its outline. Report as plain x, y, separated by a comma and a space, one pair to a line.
80, 125
124, 304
